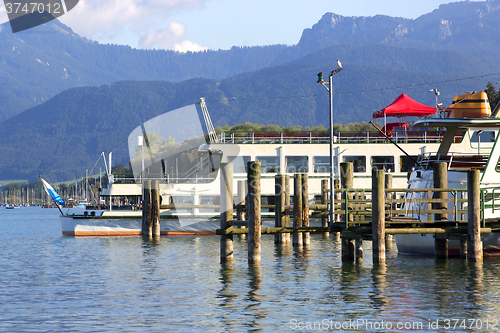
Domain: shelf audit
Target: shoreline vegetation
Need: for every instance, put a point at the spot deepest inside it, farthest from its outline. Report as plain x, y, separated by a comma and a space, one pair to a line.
15, 189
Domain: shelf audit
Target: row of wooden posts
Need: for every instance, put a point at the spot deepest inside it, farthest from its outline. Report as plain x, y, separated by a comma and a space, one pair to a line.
351, 239
253, 207
442, 229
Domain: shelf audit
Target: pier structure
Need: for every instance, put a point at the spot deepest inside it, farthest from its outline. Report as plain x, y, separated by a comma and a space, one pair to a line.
366, 215
151, 208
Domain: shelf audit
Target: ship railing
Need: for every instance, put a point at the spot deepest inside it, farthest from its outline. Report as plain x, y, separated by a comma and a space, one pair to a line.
454, 160
203, 164
236, 137
169, 179
418, 202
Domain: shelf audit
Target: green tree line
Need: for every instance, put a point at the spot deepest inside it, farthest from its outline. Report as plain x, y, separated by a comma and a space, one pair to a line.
493, 95
251, 127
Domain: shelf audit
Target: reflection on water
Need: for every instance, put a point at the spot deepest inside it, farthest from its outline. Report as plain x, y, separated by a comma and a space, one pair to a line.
378, 296
54, 283
254, 298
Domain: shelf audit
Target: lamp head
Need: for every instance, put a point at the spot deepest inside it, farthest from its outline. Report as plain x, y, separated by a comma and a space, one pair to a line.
320, 77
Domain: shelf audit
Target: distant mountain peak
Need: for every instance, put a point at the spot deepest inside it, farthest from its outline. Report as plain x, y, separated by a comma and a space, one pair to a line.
52, 25
335, 29
56, 24
453, 22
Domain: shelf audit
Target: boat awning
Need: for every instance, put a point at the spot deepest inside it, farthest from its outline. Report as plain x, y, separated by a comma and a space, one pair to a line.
122, 190
461, 124
404, 106
453, 125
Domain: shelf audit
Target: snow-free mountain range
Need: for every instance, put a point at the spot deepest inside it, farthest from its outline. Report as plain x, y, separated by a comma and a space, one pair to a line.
64, 99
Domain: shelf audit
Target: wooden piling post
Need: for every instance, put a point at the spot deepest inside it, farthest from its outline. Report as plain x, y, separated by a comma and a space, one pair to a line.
390, 195
346, 182
306, 237
441, 246
347, 178
279, 212
388, 181
155, 208
254, 205
358, 248
388, 242
347, 249
378, 216
286, 219
297, 209
388, 185
226, 210
324, 198
474, 244
463, 247
346, 175
146, 209
240, 198
337, 196
440, 175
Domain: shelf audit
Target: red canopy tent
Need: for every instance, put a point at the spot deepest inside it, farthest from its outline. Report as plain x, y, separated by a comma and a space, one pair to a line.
404, 106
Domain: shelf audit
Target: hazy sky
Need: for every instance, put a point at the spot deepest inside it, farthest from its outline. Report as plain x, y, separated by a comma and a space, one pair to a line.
218, 24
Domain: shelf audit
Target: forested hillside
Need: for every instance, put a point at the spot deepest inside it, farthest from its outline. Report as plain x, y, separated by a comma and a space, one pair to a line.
64, 136
37, 64
43, 61
65, 99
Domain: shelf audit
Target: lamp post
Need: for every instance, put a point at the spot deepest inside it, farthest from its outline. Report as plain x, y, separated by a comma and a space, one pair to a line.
330, 94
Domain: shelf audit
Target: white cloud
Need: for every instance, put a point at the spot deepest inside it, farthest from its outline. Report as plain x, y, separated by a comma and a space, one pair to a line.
170, 38
187, 45
3, 14
112, 19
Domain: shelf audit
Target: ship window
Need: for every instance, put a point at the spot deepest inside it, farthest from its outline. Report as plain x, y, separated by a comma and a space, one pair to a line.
484, 136
359, 162
269, 164
296, 164
322, 164
182, 200
406, 163
239, 163
209, 200
383, 163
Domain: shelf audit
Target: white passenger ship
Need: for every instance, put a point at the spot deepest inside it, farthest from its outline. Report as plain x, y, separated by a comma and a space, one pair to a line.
458, 163
159, 146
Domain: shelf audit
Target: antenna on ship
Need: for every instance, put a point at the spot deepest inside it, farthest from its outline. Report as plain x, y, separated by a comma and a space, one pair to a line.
208, 122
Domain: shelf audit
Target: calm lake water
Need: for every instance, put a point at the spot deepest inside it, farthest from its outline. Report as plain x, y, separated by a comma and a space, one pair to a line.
52, 283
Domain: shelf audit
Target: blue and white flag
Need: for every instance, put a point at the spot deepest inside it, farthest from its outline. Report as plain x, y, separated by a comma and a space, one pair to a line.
53, 194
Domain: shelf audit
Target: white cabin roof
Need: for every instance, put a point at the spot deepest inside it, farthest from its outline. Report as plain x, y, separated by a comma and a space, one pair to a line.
460, 124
